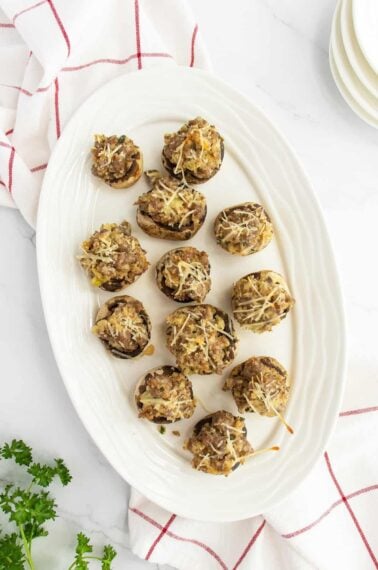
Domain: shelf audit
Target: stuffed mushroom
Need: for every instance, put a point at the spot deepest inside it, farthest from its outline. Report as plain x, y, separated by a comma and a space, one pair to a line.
219, 443
243, 229
202, 339
261, 300
123, 326
116, 160
112, 257
194, 153
170, 210
261, 385
165, 395
183, 274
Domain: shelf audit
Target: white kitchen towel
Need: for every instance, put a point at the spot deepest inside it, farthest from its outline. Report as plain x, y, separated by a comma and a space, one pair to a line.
55, 53
329, 523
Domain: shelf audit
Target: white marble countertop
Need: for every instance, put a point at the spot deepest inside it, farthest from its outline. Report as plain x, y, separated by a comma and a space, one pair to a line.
276, 51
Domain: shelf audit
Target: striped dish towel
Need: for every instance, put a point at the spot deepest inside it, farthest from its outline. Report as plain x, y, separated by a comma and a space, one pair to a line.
329, 523
53, 55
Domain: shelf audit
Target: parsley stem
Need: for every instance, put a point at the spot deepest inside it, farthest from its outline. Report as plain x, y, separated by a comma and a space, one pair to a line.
73, 565
26, 548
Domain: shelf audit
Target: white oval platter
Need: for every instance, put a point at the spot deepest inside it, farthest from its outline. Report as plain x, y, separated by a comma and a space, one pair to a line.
258, 165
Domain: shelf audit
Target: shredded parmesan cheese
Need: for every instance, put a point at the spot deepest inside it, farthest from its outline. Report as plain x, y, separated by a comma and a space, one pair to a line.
194, 152
261, 300
219, 443
261, 385
165, 395
201, 338
243, 229
184, 274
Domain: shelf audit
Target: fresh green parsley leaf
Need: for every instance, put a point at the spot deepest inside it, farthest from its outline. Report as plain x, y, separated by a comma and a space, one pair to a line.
43, 475
107, 557
27, 509
83, 548
11, 555
61, 470
83, 545
17, 450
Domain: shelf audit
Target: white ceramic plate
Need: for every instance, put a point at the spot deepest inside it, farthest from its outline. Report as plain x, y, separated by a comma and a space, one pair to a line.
354, 54
365, 18
356, 108
258, 165
357, 90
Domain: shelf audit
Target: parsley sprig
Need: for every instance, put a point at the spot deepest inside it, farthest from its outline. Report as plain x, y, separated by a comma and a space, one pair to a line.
30, 508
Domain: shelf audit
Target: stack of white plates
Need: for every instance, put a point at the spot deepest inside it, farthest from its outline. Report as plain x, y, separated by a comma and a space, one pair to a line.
353, 56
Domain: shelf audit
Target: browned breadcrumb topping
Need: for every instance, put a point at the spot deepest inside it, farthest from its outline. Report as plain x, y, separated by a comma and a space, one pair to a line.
115, 158
183, 274
112, 257
260, 384
202, 339
219, 443
195, 152
165, 395
124, 327
243, 229
261, 300
170, 206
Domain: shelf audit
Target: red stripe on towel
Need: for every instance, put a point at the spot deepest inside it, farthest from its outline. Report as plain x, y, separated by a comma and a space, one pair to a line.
162, 533
354, 518
175, 536
192, 54
61, 26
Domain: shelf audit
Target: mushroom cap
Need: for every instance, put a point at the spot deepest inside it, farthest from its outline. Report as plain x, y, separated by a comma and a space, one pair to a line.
190, 176
193, 367
152, 228
107, 309
273, 312
171, 231
122, 153
171, 292
250, 237
221, 424
131, 177
166, 370
259, 384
